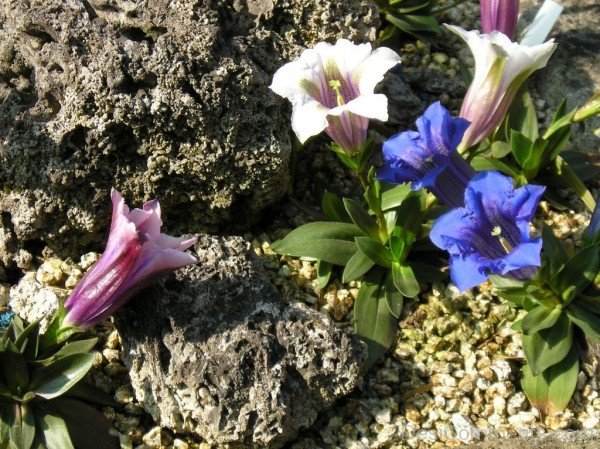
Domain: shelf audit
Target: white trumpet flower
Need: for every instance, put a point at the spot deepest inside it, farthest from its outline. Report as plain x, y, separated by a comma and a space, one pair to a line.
501, 67
331, 89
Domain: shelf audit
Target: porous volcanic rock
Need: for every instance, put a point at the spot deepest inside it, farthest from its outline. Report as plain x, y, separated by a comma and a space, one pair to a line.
157, 98
217, 352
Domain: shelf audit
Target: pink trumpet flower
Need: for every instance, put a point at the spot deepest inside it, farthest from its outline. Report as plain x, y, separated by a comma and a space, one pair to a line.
137, 254
499, 15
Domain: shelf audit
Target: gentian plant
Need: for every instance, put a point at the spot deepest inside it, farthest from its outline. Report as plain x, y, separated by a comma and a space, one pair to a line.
562, 302
43, 403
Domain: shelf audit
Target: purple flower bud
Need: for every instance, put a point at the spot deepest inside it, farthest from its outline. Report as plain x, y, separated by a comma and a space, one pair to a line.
428, 158
499, 15
136, 255
491, 234
592, 232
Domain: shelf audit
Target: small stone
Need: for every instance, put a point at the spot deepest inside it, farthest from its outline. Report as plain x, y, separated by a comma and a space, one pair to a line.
590, 423
388, 375
112, 341
502, 369
464, 428
180, 444
113, 369
157, 437
516, 403
87, 260
123, 395
49, 273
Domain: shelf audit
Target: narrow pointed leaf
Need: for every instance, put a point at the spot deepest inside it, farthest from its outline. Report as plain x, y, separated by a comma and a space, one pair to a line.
361, 218
358, 265
375, 251
394, 197
22, 429
54, 430
394, 299
579, 271
333, 208
540, 318
88, 428
57, 378
586, 319
373, 321
76, 347
323, 273
551, 391
549, 346
328, 241
405, 280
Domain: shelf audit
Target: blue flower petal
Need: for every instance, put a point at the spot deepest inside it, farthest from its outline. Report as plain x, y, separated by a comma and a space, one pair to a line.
526, 200
493, 188
454, 224
396, 146
429, 179
468, 271
526, 254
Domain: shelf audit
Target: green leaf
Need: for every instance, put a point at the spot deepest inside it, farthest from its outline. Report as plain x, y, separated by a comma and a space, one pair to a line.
540, 318
57, 378
553, 249
586, 319
394, 299
16, 373
578, 272
521, 147
358, 265
329, 241
549, 346
392, 198
401, 243
522, 116
6, 418
361, 218
323, 273
89, 393
560, 168
500, 149
551, 391
22, 428
561, 119
375, 251
333, 207
481, 163
373, 321
88, 428
405, 280
76, 347
28, 341
54, 429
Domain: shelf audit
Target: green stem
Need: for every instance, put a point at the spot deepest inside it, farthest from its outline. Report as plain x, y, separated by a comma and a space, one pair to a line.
564, 170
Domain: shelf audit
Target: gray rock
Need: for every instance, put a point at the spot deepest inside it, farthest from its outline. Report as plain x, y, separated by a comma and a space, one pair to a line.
217, 352
574, 69
154, 97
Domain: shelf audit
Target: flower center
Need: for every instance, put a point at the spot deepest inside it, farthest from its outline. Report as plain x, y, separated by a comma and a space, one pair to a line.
497, 232
336, 86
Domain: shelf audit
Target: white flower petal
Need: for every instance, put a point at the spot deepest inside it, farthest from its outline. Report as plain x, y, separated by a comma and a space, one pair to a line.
373, 68
542, 24
373, 106
309, 118
346, 55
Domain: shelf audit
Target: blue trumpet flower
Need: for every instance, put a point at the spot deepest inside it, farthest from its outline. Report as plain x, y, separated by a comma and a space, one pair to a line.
428, 158
490, 234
